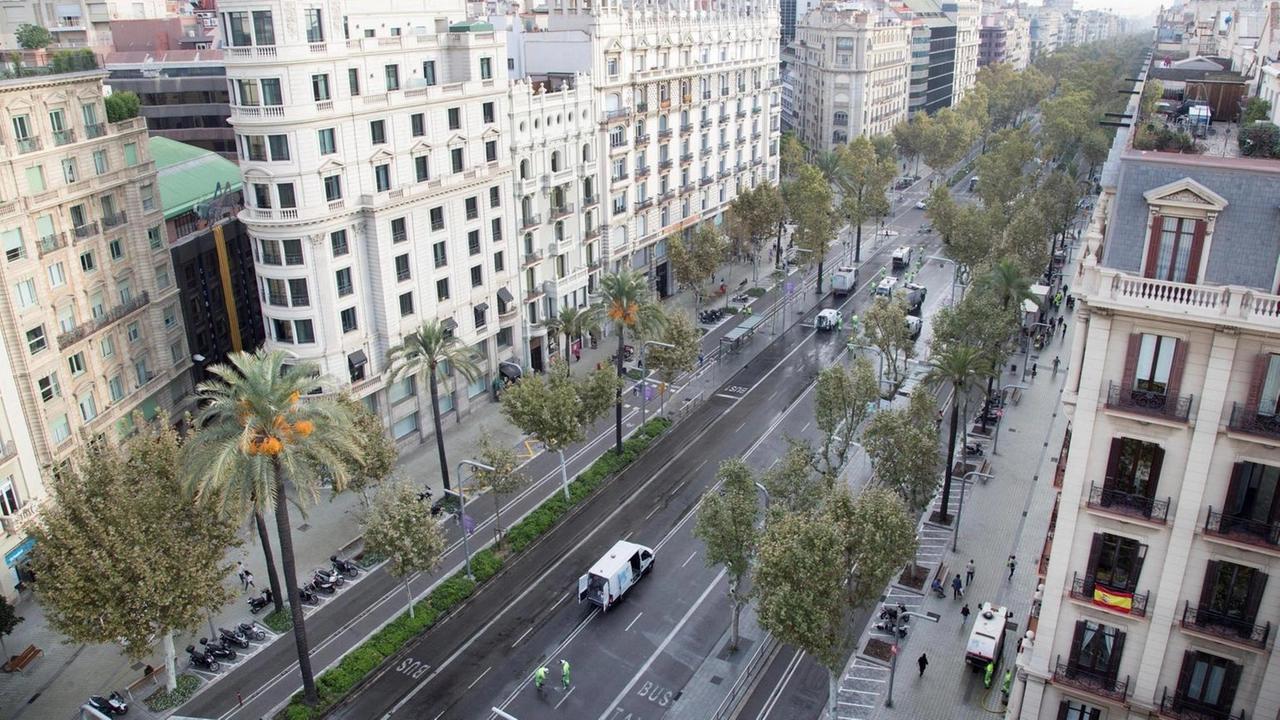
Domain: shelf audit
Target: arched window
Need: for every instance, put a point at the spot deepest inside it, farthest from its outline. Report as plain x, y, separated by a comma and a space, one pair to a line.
524, 169
586, 153
555, 161
559, 231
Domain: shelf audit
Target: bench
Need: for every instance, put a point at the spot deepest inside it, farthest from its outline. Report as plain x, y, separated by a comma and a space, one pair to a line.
941, 574
23, 659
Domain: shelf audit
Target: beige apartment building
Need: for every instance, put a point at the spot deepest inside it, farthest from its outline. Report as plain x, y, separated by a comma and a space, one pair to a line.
851, 74
1157, 599
90, 325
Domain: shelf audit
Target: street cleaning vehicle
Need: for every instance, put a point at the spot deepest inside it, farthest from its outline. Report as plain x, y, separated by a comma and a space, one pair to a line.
829, 319
902, 257
614, 574
844, 280
986, 641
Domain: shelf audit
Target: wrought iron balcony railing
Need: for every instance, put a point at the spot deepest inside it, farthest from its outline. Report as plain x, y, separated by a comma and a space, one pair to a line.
1240, 529
1079, 591
1097, 683
1203, 620
1251, 423
1177, 705
1123, 503
1128, 399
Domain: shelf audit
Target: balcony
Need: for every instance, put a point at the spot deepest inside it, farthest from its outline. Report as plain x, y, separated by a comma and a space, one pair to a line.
1127, 504
1078, 591
664, 165
617, 143
642, 107
705, 180
1175, 705
706, 122
590, 200
18, 522
724, 118
686, 158
686, 128
724, 174
1091, 682
617, 114
537, 292
530, 221
50, 243
755, 110
755, 136
706, 94
561, 211
115, 314
643, 204
1224, 305
706, 151
740, 114
642, 140
664, 134
642, 172
64, 137
531, 259
740, 140
620, 177
1251, 423
667, 196
776, 82
94, 130
1170, 407
28, 144
1207, 622
116, 220
591, 234
1242, 530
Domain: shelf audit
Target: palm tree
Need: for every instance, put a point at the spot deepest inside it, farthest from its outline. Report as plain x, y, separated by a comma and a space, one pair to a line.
832, 167
959, 366
574, 322
255, 435
1009, 284
629, 305
422, 353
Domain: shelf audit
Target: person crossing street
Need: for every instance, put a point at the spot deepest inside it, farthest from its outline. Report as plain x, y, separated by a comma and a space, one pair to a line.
564, 674
539, 678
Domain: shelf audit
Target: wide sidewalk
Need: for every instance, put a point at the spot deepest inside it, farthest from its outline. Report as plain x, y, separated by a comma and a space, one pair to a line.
56, 684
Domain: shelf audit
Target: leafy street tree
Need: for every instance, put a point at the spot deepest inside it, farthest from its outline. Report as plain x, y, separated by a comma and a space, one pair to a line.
948, 138
1008, 152
122, 105
378, 452
425, 353
809, 205
627, 303
1094, 146
884, 326
1009, 285
123, 553
726, 525
979, 321
904, 450
753, 216
957, 366
682, 357
815, 570
912, 135
844, 397
832, 167
791, 154
32, 37
866, 175
884, 147
256, 438
793, 483
400, 526
557, 409
1065, 119
1026, 238
9, 621
695, 260
503, 480
1056, 199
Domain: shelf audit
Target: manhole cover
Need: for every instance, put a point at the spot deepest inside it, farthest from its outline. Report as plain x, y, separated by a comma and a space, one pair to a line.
716, 679
304, 527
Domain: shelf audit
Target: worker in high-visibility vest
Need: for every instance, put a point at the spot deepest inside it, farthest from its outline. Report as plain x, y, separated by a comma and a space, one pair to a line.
540, 677
991, 670
1008, 684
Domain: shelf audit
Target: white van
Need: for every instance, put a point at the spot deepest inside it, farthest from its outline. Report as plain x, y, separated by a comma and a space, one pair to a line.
986, 642
614, 574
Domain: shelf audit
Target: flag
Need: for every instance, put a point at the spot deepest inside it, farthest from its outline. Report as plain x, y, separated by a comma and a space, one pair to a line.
1121, 601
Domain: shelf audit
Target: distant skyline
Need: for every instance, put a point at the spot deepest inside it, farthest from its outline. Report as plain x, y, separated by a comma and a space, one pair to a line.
1125, 8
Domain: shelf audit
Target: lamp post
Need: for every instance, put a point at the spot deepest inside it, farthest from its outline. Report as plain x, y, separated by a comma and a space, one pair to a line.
955, 272
462, 500
879, 357
964, 483
644, 375
1031, 335
893, 662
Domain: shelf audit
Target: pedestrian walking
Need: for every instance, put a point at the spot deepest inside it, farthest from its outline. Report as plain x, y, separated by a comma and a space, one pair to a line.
969, 570
1064, 330
577, 355
1013, 564
1033, 371
957, 590
1056, 362
248, 580
964, 615
1007, 686
923, 662
564, 674
939, 420
539, 677
240, 571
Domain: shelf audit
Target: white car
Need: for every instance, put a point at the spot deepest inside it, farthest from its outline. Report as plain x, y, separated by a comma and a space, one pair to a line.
921, 205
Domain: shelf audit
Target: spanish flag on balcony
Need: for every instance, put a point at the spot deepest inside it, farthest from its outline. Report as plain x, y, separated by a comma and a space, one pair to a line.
1120, 601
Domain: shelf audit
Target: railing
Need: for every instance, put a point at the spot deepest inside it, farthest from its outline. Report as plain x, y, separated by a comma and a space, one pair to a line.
561, 211
1123, 503
278, 299
533, 258
590, 200
1078, 591
1206, 621
399, 236
668, 195
642, 172
94, 130
620, 177
1217, 303
534, 293
759, 661
1251, 423
1091, 682
686, 128
591, 234
115, 314
64, 137
1127, 399
50, 243
664, 134
530, 221
665, 165
706, 151
617, 142
110, 221
16, 523
29, 144
1245, 530
618, 113
706, 122
705, 180
250, 51
724, 174
642, 139
642, 204
1177, 706
7, 450
725, 145
686, 158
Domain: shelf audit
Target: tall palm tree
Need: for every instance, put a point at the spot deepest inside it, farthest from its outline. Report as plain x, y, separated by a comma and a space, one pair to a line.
831, 165
628, 303
959, 366
1009, 284
255, 437
422, 353
574, 323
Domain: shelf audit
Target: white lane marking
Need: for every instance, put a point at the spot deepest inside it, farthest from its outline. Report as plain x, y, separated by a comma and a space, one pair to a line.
744, 424
633, 622
686, 562
525, 635
566, 697
473, 682
665, 642
782, 683
805, 428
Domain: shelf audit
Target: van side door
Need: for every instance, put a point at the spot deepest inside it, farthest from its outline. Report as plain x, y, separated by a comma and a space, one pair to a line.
583, 586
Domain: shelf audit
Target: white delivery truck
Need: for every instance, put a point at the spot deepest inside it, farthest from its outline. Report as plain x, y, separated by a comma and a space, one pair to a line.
986, 642
902, 257
614, 574
844, 281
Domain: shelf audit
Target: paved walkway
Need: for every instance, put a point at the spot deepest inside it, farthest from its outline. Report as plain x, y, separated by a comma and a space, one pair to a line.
1001, 517
55, 684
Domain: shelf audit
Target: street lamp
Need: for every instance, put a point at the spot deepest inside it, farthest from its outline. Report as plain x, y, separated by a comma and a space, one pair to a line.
964, 483
893, 662
644, 376
955, 272
879, 357
1031, 336
462, 499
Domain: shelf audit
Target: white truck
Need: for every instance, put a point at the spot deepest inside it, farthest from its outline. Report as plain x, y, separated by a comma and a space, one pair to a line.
614, 574
844, 281
911, 293
986, 642
902, 257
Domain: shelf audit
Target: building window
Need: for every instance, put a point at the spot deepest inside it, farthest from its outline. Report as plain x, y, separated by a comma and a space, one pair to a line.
440, 254
304, 332
69, 173
1174, 249
49, 388
327, 142
495, 197
288, 200
486, 68
611, 66
320, 87
472, 206
115, 249
313, 19
353, 81
60, 429
282, 330
1096, 651
480, 313
382, 177
133, 331
1154, 363
491, 151
1252, 505
88, 263
115, 389
57, 275
421, 168
418, 124
100, 164
399, 230
36, 340
405, 426
292, 251
75, 364
486, 111
455, 118
401, 390
1207, 683
402, 268
25, 292
1133, 472
473, 242
378, 132
333, 187
477, 276
1115, 563
343, 278
338, 242
437, 218
455, 157
107, 347
1230, 597
406, 304
499, 262
88, 407
393, 77
348, 317
35, 179
442, 289
429, 72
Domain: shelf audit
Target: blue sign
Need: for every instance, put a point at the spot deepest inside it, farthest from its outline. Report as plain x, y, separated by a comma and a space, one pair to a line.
790, 286
13, 556
468, 524
649, 392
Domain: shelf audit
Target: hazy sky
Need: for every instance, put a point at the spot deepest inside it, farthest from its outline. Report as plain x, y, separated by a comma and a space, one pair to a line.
1127, 8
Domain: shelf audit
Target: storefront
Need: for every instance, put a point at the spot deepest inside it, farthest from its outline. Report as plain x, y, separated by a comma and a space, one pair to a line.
18, 561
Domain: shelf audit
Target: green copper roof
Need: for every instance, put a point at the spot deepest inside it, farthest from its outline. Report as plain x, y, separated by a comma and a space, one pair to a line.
471, 26
190, 175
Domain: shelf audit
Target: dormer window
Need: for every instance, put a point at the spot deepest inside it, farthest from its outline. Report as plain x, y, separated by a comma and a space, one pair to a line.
1180, 229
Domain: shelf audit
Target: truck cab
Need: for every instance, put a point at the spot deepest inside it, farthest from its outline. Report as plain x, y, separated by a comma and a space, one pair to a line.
885, 287
986, 641
902, 257
614, 574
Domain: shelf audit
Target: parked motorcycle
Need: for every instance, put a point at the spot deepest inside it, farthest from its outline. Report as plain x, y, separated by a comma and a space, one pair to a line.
973, 450
260, 601
307, 594
890, 627
330, 575
110, 706
893, 612
217, 649
203, 660
233, 637
346, 567
322, 584
252, 632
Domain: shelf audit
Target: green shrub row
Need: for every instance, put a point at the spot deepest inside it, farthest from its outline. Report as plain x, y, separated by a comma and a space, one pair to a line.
359, 662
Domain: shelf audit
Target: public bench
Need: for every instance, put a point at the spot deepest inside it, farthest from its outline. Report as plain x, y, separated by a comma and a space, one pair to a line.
20, 662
